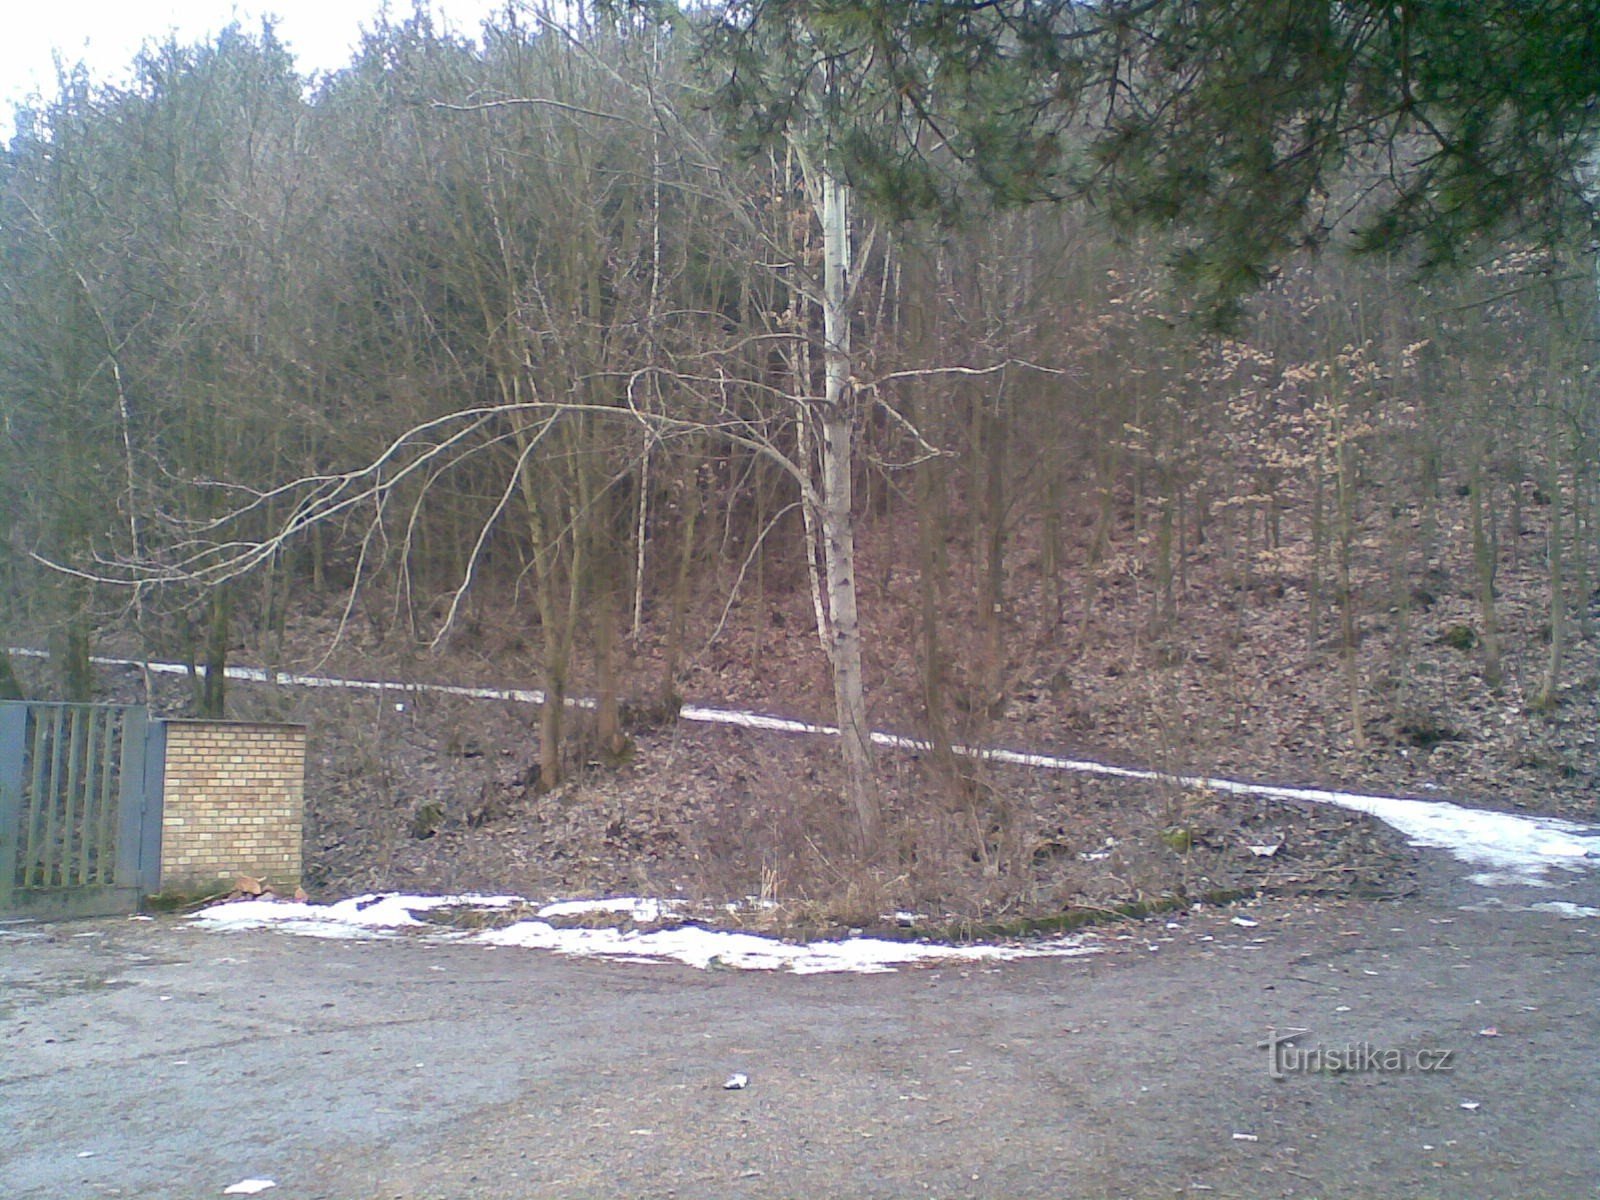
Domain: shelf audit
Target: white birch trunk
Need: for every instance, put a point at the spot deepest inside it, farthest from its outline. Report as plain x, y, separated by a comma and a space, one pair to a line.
835, 504
808, 513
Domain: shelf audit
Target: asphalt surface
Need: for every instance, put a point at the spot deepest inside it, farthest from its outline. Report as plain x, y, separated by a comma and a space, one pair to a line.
153, 1059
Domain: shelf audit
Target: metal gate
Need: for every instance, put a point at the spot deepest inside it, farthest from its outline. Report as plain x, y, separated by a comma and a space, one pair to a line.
80, 808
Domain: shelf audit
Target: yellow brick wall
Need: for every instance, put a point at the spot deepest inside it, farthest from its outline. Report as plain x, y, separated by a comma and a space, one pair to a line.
233, 804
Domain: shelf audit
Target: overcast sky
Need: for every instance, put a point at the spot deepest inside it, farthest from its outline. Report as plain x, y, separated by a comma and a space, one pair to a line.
106, 34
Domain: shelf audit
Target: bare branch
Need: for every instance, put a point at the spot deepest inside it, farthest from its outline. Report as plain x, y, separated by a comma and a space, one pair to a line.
531, 101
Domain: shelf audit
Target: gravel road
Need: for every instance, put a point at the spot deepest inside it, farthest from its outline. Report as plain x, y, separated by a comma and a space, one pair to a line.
150, 1059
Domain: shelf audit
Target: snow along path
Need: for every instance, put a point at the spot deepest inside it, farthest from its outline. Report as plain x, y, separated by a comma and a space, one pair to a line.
706, 949
1510, 848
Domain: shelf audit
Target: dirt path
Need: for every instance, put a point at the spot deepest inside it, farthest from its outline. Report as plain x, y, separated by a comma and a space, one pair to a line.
150, 1059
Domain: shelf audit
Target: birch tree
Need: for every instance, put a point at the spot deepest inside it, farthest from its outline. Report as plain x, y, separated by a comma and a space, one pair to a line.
887, 102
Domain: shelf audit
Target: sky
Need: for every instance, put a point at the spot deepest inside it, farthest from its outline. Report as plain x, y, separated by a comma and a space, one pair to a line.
107, 34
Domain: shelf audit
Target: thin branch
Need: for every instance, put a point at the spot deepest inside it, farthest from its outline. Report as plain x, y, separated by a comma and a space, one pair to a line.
733, 592
470, 570
531, 101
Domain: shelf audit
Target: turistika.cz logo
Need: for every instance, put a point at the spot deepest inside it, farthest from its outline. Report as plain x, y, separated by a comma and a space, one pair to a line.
1285, 1058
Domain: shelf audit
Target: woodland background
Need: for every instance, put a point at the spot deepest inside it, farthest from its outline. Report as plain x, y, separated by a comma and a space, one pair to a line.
496, 362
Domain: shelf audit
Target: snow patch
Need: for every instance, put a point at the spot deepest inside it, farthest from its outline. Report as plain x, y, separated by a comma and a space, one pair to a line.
1564, 909
360, 916
711, 949
634, 908
691, 945
1516, 848
1508, 879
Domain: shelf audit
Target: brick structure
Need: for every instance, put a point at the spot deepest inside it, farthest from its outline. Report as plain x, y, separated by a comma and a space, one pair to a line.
234, 804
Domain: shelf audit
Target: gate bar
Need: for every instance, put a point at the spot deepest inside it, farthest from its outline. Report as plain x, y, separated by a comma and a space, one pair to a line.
130, 823
13, 752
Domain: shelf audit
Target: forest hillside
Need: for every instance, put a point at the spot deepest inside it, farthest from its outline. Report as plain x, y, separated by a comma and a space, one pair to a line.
501, 362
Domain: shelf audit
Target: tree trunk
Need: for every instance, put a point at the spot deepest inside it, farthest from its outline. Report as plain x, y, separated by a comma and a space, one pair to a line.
836, 516
673, 651
640, 530
214, 683
992, 435
556, 600
1166, 605
1485, 558
550, 722
1550, 689
1319, 542
808, 510
69, 651
10, 689
1399, 556
932, 490
1583, 532
608, 716
1051, 557
1348, 624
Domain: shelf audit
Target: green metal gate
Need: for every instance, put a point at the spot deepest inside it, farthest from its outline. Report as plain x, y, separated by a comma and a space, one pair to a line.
80, 808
